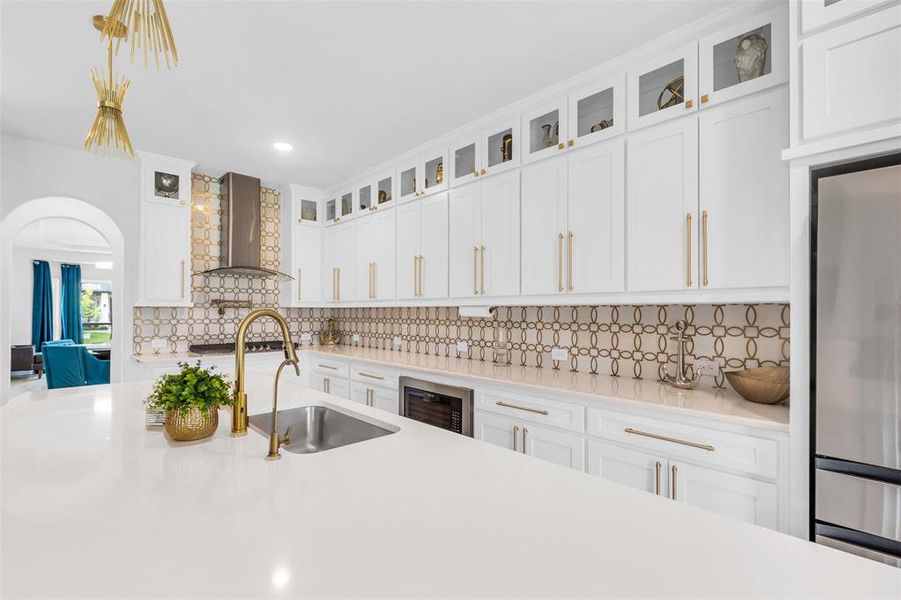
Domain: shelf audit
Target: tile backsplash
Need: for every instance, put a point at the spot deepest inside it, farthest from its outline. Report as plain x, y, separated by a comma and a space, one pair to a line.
628, 341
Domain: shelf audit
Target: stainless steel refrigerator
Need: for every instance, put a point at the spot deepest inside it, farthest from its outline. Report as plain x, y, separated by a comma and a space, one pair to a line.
856, 389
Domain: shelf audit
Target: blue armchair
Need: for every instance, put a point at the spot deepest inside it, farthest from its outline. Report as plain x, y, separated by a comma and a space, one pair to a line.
69, 365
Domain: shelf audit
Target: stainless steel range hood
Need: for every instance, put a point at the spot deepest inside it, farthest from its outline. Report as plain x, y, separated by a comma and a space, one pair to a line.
241, 229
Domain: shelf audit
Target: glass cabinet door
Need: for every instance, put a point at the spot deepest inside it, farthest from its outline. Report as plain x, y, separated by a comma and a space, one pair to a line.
544, 131
384, 190
432, 164
364, 198
331, 210
665, 88
309, 211
465, 160
500, 147
347, 204
744, 58
597, 112
409, 181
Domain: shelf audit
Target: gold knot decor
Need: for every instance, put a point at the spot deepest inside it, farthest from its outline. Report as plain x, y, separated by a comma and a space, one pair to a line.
108, 135
150, 29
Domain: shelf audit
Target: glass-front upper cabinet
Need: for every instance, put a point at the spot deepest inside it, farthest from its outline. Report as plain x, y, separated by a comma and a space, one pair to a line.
744, 58
465, 159
364, 198
432, 164
544, 131
409, 179
597, 112
500, 147
331, 210
309, 211
346, 206
384, 190
664, 87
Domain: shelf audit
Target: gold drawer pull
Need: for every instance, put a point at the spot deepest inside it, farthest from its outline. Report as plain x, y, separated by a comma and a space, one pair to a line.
362, 374
515, 434
688, 249
657, 468
665, 438
327, 367
560, 264
675, 471
704, 240
537, 411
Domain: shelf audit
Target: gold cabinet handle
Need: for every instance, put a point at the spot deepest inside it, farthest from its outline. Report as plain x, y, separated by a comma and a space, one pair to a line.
421, 269
560, 146
334, 283
475, 270
657, 468
570, 263
482, 172
339, 283
515, 435
298, 283
537, 411
376, 377
705, 98
666, 438
560, 262
182, 279
326, 385
689, 103
675, 470
482, 269
330, 368
571, 143
524, 432
688, 249
475, 173
704, 244
415, 275
375, 280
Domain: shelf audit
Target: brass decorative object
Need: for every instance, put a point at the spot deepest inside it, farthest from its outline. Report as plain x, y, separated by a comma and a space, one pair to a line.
763, 385
192, 424
604, 124
507, 147
329, 336
676, 91
150, 29
439, 172
108, 135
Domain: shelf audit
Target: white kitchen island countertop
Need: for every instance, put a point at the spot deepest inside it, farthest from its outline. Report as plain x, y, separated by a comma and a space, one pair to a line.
94, 505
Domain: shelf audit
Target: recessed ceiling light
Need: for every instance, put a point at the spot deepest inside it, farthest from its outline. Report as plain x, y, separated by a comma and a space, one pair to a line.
283, 146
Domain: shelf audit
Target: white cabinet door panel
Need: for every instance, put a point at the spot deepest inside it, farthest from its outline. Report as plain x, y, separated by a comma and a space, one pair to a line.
384, 256
738, 497
497, 430
544, 226
344, 252
166, 256
499, 259
365, 237
663, 196
385, 399
744, 192
465, 239
559, 448
596, 219
640, 470
409, 226
433, 247
309, 260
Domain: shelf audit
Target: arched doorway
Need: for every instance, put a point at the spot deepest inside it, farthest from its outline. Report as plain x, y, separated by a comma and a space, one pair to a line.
24, 217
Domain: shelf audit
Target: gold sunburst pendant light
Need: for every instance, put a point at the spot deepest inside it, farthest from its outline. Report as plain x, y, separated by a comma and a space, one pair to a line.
150, 29
108, 135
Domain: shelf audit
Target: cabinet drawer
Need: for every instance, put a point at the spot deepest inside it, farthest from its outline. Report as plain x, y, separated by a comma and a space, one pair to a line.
530, 408
374, 376
330, 368
733, 451
323, 382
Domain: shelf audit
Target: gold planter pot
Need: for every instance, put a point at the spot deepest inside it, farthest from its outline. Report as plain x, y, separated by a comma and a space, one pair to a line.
194, 424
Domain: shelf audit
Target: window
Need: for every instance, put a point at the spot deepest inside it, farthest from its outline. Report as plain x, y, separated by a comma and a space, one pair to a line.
96, 312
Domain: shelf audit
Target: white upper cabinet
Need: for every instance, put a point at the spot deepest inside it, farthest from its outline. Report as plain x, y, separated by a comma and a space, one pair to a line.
365, 198
662, 206
338, 263
422, 248
544, 131
744, 212
597, 112
499, 146
409, 179
301, 255
465, 159
340, 205
330, 209
544, 223
852, 75
374, 248
823, 13
164, 267
432, 165
346, 204
744, 58
375, 192
663, 88
484, 238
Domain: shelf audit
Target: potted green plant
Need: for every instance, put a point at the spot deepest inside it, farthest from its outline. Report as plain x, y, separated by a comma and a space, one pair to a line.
191, 399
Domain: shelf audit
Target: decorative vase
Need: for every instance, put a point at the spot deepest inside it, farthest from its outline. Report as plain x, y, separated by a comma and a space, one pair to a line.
507, 147
190, 425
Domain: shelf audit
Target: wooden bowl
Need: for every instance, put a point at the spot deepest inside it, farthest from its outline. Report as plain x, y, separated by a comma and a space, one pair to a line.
763, 385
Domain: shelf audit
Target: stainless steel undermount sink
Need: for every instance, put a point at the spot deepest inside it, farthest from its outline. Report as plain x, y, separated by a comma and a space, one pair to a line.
318, 428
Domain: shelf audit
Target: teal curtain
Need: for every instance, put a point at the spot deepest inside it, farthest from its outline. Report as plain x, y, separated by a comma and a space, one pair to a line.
70, 303
41, 305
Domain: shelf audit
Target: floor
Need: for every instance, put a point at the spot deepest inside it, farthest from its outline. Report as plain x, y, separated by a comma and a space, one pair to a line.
24, 384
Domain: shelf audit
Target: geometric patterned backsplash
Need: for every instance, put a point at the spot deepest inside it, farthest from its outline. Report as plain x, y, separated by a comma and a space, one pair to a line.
628, 341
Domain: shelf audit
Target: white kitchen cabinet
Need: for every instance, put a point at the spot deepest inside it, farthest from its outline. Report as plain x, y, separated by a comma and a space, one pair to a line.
500, 147
597, 112
465, 159
423, 173
852, 75
422, 248
330, 384
544, 221
662, 205
553, 446
824, 13
374, 246
484, 237
339, 258
744, 213
719, 77
738, 497
302, 248
664, 88
644, 471
378, 397
498, 430
544, 131
164, 266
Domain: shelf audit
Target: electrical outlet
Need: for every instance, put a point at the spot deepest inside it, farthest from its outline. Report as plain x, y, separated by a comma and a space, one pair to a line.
355, 337
462, 346
397, 342
306, 337
559, 354
707, 367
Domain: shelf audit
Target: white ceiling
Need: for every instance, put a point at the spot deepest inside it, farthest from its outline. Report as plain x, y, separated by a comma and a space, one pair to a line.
56, 233
349, 84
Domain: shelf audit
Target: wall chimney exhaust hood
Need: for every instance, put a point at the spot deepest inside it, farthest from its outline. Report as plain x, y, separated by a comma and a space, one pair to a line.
241, 230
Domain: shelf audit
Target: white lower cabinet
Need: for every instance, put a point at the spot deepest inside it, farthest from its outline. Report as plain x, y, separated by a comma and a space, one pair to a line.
557, 447
377, 397
640, 470
422, 248
331, 384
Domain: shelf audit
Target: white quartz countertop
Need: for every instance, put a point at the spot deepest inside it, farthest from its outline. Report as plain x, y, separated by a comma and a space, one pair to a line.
723, 405
95, 505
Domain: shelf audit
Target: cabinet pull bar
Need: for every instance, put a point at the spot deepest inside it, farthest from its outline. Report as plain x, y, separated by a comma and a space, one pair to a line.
524, 432
475, 270
298, 283
570, 263
665, 438
674, 470
704, 233
421, 261
321, 366
482, 269
688, 249
339, 283
415, 275
375, 280
537, 411
362, 374
515, 434
326, 385
657, 468
182, 279
560, 262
